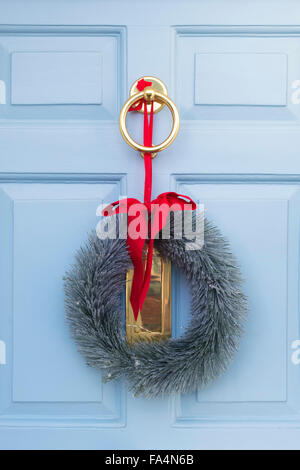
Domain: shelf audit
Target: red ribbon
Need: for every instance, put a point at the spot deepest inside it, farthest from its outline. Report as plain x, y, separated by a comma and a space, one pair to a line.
140, 213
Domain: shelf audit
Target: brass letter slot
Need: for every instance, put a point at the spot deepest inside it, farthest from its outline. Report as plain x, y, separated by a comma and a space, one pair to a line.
154, 322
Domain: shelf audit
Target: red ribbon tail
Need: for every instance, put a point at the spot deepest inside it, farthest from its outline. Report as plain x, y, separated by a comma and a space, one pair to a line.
137, 284
164, 203
147, 275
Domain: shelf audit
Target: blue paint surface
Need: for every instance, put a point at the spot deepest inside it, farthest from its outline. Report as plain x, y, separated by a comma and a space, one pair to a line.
56, 78
231, 70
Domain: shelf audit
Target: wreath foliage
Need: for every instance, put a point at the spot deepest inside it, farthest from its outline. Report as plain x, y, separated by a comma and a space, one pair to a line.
94, 287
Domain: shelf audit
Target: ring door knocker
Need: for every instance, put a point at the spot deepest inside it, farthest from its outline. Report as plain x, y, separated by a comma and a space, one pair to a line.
156, 92
95, 283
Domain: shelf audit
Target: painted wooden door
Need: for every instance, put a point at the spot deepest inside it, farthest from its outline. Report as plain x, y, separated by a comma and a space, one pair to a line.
233, 69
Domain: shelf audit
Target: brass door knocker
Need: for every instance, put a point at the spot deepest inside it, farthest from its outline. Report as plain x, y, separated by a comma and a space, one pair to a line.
157, 92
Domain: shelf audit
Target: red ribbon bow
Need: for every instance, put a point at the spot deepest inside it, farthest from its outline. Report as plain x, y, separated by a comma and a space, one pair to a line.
139, 216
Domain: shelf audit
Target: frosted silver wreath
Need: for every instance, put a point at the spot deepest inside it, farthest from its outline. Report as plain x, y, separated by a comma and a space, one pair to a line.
218, 307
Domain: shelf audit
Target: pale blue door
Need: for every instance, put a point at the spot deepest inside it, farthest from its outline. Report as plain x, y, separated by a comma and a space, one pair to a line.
233, 69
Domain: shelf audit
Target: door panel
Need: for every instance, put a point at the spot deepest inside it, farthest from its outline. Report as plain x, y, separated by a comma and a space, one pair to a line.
46, 380
62, 73
261, 219
65, 71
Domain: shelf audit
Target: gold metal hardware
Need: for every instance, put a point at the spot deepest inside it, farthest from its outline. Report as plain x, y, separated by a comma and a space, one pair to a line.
154, 322
157, 85
160, 98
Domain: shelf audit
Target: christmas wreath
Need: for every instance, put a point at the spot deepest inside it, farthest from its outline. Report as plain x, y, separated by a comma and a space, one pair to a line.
93, 302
